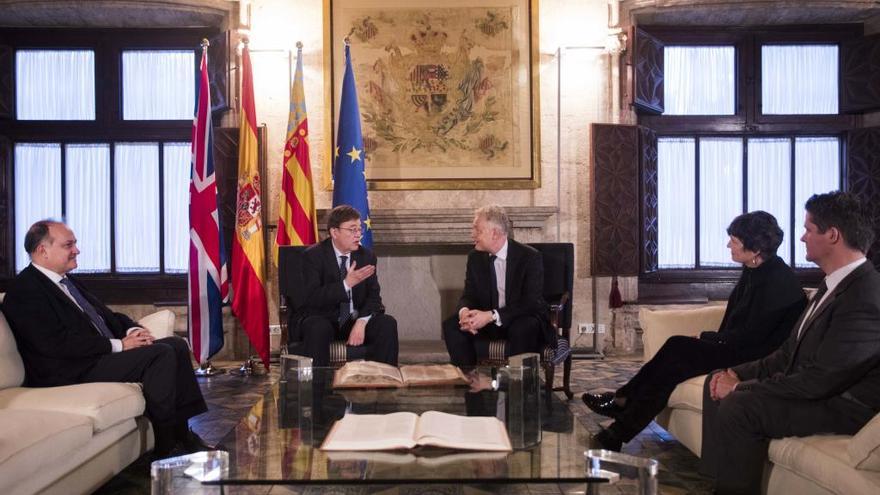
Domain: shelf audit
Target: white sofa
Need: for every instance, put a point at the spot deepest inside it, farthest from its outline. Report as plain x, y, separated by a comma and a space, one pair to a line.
70, 439
819, 464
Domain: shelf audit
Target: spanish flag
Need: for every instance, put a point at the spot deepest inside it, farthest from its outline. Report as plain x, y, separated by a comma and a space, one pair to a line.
297, 222
248, 271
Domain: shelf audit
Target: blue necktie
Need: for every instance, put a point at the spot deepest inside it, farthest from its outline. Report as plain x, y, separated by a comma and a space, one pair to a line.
493, 283
88, 309
345, 306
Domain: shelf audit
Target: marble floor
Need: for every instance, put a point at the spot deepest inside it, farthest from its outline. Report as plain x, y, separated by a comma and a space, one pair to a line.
229, 397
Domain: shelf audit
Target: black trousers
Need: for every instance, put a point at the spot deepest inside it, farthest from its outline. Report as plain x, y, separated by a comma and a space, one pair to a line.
164, 368
648, 391
523, 334
380, 338
737, 431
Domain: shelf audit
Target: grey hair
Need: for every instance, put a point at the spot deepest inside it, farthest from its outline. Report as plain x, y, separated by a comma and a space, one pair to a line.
495, 215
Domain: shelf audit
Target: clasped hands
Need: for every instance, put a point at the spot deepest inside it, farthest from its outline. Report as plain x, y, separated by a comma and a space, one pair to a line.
722, 384
137, 337
472, 320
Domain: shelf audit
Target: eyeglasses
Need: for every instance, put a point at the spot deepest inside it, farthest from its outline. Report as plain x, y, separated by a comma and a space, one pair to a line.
352, 230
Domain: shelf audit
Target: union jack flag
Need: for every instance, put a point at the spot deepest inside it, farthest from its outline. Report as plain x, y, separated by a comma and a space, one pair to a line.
208, 285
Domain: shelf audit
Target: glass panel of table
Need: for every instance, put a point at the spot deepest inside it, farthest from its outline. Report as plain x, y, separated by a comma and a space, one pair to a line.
278, 441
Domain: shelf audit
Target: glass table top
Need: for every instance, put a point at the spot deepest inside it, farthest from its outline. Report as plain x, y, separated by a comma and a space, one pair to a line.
278, 441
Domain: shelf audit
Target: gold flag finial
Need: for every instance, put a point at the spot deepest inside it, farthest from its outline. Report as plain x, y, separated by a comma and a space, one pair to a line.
205, 43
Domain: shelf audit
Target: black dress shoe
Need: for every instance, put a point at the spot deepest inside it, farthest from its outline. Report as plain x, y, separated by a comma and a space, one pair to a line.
193, 443
607, 440
603, 404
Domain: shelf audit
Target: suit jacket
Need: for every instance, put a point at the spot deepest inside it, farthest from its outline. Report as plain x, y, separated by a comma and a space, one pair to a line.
323, 289
524, 286
57, 341
838, 353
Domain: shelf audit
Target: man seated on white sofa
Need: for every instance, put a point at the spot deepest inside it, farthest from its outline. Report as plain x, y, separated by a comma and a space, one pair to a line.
825, 378
66, 336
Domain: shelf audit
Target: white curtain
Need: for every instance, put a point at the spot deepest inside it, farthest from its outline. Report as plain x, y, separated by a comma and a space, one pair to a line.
675, 209
158, 85
37, 191
799, 79
176, 161
137, 207
817, 170
38, 94
769, 187
699, 80
87, 186
720, 196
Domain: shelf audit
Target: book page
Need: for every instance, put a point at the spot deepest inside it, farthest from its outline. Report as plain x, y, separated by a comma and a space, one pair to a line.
432, 374
367, 374
462, 432
372, 432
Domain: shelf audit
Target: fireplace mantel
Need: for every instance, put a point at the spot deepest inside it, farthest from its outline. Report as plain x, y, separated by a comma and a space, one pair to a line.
445, 226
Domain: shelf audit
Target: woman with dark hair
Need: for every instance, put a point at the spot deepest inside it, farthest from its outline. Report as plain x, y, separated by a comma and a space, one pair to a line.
761, 311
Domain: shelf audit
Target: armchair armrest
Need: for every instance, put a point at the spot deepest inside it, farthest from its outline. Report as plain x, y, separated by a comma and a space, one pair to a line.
556, 309
660, 324
160, 323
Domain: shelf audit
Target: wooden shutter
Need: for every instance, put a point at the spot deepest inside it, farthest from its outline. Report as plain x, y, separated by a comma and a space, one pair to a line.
226, 170
863, 175
648, 183
7, 87
860, 75
615, 200
218, 71
647, 73
7, 218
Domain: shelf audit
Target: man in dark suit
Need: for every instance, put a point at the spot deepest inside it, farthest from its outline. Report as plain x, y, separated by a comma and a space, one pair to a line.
825, 378
66, 336
342, 299
502, 296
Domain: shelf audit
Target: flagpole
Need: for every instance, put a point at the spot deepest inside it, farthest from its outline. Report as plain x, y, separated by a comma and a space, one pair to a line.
205, 368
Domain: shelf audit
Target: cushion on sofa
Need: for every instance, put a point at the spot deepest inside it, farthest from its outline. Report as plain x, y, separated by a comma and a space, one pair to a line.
823, 460
31, 440
660, 324
688, 395
11, 367
864, 448
106, 404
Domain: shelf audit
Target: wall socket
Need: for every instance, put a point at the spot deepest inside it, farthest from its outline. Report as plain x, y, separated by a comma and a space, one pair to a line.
274, 329
590, 328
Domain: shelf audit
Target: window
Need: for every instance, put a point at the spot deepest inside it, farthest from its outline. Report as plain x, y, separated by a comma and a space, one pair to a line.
748, 120
100, 138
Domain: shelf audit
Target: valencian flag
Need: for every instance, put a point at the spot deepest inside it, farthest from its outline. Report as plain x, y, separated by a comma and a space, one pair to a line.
349, 178
297, 222
208, 287
248, 289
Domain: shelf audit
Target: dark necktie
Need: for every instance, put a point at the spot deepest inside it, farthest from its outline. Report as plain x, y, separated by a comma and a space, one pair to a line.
88, 309
345, 306
814, 304
493, 283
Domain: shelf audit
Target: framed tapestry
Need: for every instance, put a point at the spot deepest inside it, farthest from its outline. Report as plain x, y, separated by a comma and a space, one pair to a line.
448, 94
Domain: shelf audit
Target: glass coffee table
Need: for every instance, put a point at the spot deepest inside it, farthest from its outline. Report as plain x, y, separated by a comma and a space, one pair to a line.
278, 441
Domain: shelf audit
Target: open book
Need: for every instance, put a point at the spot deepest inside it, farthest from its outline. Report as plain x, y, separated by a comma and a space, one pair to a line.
405, 430
369, 374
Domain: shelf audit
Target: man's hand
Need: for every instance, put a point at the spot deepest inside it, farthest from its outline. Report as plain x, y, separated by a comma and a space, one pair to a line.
137, 338
357, 275
356, 337
722, 384
472, 320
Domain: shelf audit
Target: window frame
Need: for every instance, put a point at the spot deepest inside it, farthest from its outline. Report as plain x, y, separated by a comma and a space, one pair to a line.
703, 283
110, 128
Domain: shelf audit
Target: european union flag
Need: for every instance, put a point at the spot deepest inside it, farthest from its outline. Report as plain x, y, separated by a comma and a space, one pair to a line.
349, 178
